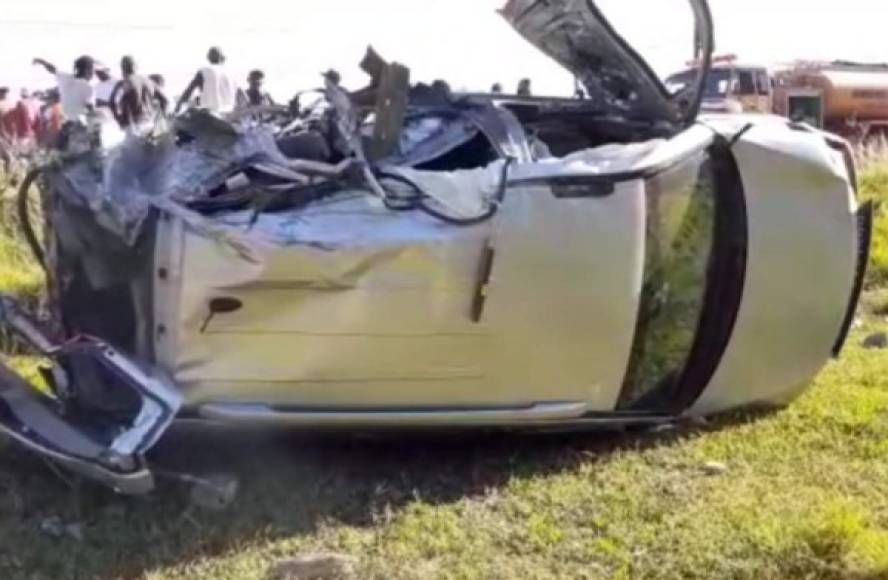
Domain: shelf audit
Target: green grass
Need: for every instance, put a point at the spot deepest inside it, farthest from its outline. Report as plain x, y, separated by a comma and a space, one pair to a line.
805, 495
874, 187
19, 274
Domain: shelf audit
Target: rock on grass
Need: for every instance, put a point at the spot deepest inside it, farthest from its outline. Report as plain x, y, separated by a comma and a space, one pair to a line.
314, 567
878, 341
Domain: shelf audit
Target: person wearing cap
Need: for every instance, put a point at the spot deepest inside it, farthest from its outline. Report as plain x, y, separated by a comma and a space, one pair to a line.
333, 76
254, 95
75, 91
216, 88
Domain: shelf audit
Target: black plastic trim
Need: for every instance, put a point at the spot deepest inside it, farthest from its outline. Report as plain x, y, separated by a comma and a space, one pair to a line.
726, 279
865, 216
844, 148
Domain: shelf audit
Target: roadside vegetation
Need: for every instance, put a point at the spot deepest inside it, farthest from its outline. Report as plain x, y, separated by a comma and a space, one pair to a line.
795, 494
874, 187
19, 273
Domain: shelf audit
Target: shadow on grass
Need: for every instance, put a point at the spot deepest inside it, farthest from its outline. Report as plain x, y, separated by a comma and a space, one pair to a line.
290, 484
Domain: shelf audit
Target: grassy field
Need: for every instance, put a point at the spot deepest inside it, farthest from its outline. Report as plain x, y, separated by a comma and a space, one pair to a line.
796, 494
874, 186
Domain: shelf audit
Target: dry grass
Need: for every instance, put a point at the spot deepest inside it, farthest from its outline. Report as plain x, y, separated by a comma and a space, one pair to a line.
873, 160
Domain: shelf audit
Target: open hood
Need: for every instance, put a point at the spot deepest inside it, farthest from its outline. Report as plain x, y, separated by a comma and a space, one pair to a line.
576, 34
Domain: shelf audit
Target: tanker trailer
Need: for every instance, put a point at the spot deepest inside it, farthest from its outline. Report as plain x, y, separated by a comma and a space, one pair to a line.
846, 98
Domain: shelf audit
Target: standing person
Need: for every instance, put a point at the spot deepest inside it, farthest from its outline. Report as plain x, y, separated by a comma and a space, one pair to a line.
215, 86
254, 95
134, 104
104, 86
7, 110
27, 118
76, 94
50, 122
333, 76
524, 88
134, 100
160, 85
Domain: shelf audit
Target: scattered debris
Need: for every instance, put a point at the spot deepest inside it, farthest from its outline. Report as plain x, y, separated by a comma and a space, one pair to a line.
699, 422
114, 511
54, 526
74, 531
315, 567
877, 341
714, 468
215, 492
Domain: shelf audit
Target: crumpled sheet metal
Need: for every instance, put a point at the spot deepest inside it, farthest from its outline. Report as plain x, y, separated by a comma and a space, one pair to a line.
123, 185
430, 134
604, 160
427, 137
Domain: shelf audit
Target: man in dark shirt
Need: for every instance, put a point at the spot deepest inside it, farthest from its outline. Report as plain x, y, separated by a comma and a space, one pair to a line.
524, 89
135, 99
254, 95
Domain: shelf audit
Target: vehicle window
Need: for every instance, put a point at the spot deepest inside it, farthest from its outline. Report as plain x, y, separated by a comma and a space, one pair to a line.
679, 240
681, 81
764, 83
717, 83
746, 83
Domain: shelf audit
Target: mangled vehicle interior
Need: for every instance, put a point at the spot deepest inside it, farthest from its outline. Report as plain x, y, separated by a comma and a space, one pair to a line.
404, 256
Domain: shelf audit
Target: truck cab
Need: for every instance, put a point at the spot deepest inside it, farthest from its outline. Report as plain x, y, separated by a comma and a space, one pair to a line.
730, 87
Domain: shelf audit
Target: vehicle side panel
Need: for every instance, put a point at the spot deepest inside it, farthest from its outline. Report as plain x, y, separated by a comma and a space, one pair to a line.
381, 316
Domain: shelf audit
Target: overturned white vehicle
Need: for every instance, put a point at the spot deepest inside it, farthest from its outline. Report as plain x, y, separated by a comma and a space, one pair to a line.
453, 261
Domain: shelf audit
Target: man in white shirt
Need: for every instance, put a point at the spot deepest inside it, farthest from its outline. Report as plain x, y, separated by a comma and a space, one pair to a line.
217, 91
75, 91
